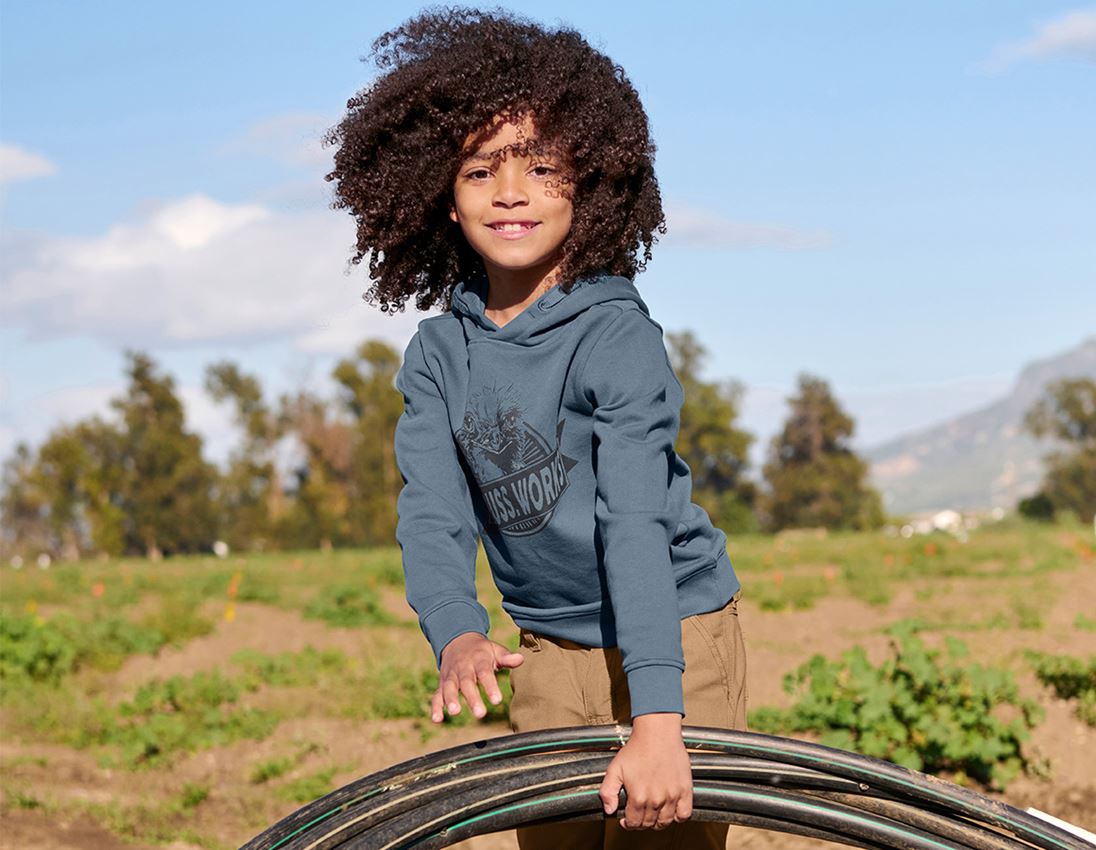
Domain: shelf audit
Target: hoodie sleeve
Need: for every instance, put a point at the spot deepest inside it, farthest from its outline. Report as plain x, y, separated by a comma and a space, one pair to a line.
436, 528
637, 403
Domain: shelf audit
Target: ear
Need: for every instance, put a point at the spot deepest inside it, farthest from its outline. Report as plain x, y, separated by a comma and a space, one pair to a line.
453, 214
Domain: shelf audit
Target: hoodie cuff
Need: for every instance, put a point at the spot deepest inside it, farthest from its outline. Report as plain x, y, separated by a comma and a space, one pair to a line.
453, 618
656, 688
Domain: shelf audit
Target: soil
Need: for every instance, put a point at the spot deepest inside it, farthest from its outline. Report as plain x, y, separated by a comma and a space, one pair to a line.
66, 780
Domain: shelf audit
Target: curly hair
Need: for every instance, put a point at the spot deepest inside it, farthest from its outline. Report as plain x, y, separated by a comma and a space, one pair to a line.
446, 74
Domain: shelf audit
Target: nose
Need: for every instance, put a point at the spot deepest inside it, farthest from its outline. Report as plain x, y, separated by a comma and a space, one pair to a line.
510, 185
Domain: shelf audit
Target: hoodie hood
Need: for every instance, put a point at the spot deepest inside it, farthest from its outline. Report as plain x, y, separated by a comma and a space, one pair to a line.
554, 308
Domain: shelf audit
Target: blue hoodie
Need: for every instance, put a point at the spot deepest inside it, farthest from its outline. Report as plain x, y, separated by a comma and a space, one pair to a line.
552, 439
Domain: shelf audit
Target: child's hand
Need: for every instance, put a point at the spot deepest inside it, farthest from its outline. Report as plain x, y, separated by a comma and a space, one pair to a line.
653, 766
470, 660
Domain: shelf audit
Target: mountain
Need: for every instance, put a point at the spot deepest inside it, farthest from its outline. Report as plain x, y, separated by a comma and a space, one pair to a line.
982, 459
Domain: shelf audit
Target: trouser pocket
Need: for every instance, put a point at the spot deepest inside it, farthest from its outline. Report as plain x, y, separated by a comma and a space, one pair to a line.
715, 668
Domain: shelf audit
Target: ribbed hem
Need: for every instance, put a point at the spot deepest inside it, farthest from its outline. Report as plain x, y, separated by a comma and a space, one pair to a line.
707, 590
453, 618
656, 687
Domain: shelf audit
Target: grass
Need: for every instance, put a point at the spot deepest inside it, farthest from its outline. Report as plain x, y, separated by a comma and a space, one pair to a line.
264, 771
182, 714
795, 570
1084, 623
349, 606
64, 633
308, 788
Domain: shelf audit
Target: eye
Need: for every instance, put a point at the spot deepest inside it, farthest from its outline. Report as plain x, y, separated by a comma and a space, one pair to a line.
543, 170
478, 174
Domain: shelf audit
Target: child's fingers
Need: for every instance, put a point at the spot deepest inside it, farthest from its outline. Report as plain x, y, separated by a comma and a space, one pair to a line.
685, 806
506, 658
436, 713
610, 788
469, 686
490, 685
449, 693
666, 815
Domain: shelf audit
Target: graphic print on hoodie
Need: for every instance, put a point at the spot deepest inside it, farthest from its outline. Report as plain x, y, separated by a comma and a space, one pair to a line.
551, 439
520, 476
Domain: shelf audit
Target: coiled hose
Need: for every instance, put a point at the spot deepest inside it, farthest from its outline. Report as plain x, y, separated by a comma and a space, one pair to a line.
761, 781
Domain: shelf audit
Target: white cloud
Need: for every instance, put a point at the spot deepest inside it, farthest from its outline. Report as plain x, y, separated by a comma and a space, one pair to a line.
19, 164
1072, 34
195, 271
688, 226
71, 404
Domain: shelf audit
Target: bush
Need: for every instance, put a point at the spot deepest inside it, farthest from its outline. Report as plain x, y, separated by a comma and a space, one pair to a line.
1071, 678
181, 714
33, 650
37, 650
920, 708
1037, 507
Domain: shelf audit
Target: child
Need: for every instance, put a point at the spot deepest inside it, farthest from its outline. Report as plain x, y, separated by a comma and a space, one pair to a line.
505, 171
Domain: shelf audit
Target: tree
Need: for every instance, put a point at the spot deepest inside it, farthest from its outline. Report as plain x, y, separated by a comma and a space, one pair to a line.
319, 513
167, 487
1068, 413
814, 477
249, 497
66, 499
24, 506
369, 395
716, 452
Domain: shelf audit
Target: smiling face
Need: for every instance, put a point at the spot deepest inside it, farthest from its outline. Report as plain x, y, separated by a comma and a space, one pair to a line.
510, 207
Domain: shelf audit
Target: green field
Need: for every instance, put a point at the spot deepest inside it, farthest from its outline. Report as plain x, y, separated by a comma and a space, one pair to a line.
196, 700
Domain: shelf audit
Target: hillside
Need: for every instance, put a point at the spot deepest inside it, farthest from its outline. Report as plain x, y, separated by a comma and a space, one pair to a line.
981, 459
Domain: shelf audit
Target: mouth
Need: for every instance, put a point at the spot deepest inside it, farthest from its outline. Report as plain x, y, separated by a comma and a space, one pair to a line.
512, 226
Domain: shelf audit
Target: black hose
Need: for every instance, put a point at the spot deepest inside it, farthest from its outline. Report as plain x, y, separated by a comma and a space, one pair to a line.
447, 796
783, 805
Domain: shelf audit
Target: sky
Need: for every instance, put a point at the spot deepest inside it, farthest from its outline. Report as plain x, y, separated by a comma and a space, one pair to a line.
898, 198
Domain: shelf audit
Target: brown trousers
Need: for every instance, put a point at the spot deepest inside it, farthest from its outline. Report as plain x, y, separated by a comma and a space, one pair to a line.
563, 683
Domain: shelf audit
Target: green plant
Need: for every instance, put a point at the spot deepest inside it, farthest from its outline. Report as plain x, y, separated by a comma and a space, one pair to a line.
34, 650
920, 708
178, 619
308, 788
388, 569
1027, 615
181, 714
1070, 678
349, 606
293, 669
1086, 708
799, 591
253, 590
264, 771
24, 800
193, 795
1087, 624
868, 583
